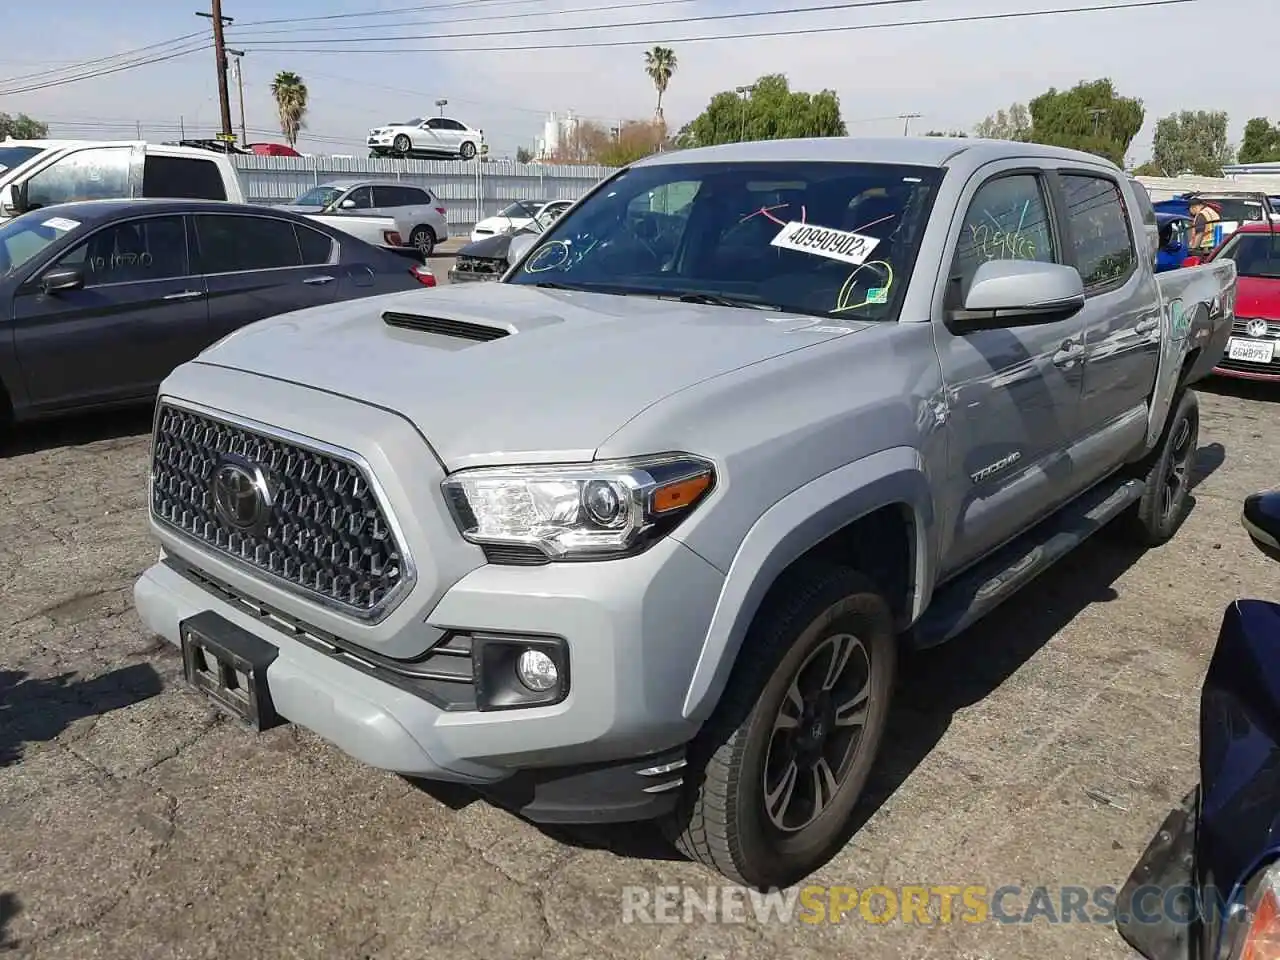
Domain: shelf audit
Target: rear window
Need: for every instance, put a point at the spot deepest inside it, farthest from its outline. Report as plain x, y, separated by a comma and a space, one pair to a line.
182, 178
231, 244
11, 157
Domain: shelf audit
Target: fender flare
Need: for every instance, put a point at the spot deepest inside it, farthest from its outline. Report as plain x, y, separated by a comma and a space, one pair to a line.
786, 531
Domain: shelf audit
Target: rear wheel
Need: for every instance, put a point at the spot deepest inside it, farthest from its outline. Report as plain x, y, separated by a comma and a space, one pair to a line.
1167, 478
401, 144
467, 151
424, 239
776, 772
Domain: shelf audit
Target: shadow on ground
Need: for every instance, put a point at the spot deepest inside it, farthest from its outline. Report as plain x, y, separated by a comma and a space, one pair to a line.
10, 907
37, 709
1257, 390
28, 438
933, 685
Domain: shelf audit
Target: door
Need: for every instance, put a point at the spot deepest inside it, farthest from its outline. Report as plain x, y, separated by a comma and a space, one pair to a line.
440, 136
1013, 393
255, 267
361, 199
1121, 319
140, 313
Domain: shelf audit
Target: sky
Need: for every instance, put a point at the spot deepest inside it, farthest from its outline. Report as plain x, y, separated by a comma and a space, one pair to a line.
951, 74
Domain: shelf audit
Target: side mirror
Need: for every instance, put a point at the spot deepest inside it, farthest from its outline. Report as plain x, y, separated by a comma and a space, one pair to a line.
1019, 293
520, 245
347, 204
60, 279
1192, 262
13, 199
1261, 520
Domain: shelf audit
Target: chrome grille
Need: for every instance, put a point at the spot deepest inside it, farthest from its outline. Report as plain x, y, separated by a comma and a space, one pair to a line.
327, 536
1241, 326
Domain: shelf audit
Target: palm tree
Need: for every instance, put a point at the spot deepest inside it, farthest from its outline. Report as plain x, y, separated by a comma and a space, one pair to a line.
291, 103
660, 63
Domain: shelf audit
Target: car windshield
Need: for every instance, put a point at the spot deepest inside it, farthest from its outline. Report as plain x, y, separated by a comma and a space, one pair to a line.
24, 237
11, 157
1235, 209
519, 210
828, 239
319, 197
410, 123
1255, 254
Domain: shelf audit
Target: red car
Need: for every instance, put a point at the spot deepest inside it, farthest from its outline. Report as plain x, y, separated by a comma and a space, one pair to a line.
272, 150
1253, 352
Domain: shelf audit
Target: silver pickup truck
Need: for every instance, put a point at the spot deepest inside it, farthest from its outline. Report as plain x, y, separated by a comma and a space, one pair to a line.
639, 531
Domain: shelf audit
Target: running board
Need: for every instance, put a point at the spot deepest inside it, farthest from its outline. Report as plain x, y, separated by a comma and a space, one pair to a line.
979, 590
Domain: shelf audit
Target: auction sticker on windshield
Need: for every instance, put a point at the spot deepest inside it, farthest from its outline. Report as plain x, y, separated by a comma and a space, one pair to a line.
60, 223
825, 242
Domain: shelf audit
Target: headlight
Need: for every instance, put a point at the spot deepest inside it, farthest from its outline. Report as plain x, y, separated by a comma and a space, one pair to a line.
1253, 933
590, 511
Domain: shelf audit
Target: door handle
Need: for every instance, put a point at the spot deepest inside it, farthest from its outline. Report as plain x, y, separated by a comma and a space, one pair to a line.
318, 280
1147, 326
184, 295
1068, 353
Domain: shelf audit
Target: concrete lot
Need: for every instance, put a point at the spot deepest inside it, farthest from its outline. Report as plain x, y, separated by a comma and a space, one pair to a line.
1042, 748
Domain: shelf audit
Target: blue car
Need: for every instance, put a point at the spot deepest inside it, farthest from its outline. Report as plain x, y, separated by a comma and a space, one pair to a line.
1174, 228
1208, 885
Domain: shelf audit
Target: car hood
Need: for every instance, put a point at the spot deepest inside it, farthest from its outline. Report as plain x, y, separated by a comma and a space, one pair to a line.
1258, 297
301, 207
571, 369
490, 248
502, 223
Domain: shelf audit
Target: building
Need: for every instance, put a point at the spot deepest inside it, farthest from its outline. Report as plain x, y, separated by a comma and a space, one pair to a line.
556, 131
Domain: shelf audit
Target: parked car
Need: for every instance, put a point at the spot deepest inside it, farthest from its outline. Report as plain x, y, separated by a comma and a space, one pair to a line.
41, 173
489, 257
519, 214
430, 135
421, 216
1253, 353
638, 531
1172, 251
272, 150
100, 300
1235, 208
1208, 885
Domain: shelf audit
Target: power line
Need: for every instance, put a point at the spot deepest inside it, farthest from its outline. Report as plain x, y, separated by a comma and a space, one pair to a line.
105, 71
797, 32
73, 65
390, 11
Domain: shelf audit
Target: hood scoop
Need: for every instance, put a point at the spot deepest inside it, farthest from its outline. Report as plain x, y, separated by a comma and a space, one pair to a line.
457, 329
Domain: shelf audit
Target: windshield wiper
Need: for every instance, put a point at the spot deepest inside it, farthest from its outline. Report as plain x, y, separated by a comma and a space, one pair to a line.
727, 300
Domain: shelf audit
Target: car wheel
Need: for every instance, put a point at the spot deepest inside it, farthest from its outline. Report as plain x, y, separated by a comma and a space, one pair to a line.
1158, 515
467, 151
775, 773
424, 239
402, 144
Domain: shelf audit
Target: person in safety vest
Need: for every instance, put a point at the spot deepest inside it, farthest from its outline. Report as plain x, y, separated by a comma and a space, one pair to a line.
1204, 216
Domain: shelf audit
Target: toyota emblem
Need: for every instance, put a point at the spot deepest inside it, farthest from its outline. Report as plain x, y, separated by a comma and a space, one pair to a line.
241, 495
1257, 328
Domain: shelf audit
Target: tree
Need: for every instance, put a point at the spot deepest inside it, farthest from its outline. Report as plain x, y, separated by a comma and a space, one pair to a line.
291, 103
1261, 143
771, 110
946, 133
633, 140
660, 63
1148, 169
22, 127
582, 142
1192, 142
523, 155
1091, 116
1011, 124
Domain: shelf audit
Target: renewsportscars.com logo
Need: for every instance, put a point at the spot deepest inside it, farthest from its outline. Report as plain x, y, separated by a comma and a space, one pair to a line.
924, 905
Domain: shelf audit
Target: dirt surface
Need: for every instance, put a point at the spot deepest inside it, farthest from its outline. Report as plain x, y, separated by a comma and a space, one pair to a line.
1040, 749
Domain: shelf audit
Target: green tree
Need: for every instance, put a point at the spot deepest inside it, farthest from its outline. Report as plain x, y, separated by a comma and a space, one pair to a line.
291, 104
1091, 116
524, 155
22, 127
1192, 142
1261, 143
1011, 124
1148, 169
771, 110
946, 133
660, 63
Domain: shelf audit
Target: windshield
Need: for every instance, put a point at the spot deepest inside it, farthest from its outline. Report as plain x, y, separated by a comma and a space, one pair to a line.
24, 237
830, 239
1236, 210
1255, 254
11, 157
416, 121
519, 210
318, 197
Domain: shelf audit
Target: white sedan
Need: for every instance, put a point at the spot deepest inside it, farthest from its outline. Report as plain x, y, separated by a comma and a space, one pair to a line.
518, 215
431, 135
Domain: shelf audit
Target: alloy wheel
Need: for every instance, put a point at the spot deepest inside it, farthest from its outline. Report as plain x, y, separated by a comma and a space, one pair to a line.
1176, 480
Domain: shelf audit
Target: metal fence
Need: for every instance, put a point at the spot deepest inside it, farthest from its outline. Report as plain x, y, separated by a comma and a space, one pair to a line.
471, 191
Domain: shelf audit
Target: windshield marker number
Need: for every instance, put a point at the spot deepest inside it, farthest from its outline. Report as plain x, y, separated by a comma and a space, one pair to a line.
826, 242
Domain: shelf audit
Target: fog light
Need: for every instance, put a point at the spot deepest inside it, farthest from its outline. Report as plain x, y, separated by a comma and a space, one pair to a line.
537, 671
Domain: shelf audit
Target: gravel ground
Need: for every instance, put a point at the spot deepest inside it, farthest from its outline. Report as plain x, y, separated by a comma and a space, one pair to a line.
1042, 748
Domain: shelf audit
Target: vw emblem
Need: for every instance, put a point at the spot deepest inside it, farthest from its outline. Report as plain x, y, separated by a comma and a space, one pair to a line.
1257, 328
241, 495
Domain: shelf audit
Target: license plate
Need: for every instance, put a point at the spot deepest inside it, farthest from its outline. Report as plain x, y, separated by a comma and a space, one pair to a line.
229, 666
1253, 351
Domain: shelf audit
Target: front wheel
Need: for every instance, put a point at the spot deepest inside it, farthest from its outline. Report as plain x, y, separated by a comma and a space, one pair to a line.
1167, 481
775, 773
424, 239
467, 151
401, 144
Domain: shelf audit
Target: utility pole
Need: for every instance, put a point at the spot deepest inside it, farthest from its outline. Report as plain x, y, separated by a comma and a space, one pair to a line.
220, 53
906, 119
244, 137
1097, 113
742, 92
441, 104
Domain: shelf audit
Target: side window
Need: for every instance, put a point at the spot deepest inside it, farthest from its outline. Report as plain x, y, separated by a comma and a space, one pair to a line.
436, 123
132, 252
1099, 228
1008, 219
363, 197
392, 197
229, 244
100, 173
182, 178
316, 247
414, 197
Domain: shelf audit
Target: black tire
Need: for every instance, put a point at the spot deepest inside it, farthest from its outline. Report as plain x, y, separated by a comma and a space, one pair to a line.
1166, 477
401, 144
424, 238
467, 151
722, 820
